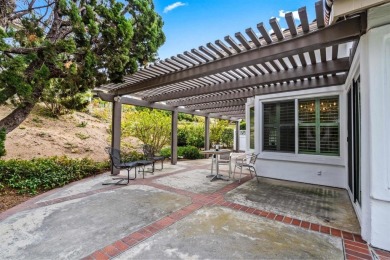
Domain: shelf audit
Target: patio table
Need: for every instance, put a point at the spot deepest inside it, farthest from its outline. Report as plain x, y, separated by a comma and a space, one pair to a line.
216, 153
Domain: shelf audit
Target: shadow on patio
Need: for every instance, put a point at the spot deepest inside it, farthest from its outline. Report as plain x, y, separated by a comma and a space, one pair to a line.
179, 213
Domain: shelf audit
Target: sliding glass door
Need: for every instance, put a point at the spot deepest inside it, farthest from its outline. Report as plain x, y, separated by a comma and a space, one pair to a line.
354, 169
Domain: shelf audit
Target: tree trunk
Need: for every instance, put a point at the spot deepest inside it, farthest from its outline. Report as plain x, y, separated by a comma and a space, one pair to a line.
17, 116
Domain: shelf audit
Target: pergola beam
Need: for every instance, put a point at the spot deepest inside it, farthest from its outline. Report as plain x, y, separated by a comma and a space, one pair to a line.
224, 109
142, 103
220, 104
330, 67
236, 112
246, 93
338, 33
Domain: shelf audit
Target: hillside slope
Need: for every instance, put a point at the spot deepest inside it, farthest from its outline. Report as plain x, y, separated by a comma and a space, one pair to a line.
76, 135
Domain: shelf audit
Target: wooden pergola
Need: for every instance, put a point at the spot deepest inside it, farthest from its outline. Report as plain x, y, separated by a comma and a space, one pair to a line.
215, 80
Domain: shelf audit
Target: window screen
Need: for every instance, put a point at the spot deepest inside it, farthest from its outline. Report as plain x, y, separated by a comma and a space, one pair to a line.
279, 126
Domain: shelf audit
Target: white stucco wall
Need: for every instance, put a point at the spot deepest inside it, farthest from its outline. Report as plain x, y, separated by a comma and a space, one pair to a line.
375, 72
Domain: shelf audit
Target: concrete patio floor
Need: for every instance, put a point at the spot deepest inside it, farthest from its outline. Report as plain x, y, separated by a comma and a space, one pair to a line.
177, 213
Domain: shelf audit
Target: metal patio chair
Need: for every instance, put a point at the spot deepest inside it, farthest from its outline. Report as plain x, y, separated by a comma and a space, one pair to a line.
226, 159
246, 161
150, 155
116, 161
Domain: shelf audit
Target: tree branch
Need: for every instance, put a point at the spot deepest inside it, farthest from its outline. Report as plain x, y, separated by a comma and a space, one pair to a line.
21, 13
24, 50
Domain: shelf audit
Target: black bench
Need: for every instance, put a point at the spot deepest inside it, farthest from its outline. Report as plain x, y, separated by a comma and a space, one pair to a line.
150, 155
116, 161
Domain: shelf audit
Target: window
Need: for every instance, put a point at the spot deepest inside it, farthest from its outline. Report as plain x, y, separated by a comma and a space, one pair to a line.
319, 126
252, 128
279, 126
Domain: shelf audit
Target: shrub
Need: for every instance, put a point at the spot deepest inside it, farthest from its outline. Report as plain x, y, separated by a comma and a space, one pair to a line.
181, 137
166, 152
187, 152
180, 151
185, 117
243, 125
195, 135
191, 152
129, 156
227, 137
43, 174
2, 141
216, 130
191, 134
152, 127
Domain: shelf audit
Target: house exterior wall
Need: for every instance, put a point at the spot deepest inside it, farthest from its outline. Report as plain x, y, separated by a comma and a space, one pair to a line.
375, 75
372, 64
316, 169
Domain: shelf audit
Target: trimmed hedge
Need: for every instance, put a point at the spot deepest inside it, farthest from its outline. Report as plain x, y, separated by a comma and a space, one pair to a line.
44, 174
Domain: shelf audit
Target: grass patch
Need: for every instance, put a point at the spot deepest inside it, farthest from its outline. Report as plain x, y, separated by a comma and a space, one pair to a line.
82, 124
82, 136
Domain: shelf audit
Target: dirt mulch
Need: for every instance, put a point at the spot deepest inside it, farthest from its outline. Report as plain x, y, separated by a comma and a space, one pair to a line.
10, 198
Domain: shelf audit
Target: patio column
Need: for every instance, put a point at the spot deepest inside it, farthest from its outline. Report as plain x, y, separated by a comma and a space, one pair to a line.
237, 136
174, 137
116, 128
206, 134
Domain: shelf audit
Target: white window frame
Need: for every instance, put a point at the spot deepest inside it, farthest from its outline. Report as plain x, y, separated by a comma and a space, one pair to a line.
250, 103
303, 94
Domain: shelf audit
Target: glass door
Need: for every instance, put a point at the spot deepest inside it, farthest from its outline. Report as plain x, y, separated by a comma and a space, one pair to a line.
354, 171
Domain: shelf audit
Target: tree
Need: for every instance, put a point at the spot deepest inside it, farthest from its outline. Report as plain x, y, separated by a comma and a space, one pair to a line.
80, 44
2, 141
152, 127
60, 100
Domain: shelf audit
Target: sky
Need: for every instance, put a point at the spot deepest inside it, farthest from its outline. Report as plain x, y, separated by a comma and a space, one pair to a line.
189, 24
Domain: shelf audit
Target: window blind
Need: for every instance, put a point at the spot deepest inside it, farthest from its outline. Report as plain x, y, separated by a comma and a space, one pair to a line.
329, 126
279, 126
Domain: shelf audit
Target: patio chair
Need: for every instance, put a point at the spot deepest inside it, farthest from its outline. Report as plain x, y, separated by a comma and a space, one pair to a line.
150, 155
226, 159
246, 161
116, 162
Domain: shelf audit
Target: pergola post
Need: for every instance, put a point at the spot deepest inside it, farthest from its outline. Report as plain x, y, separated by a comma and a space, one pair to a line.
116, 128
237, 136
207, 133
175, 114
